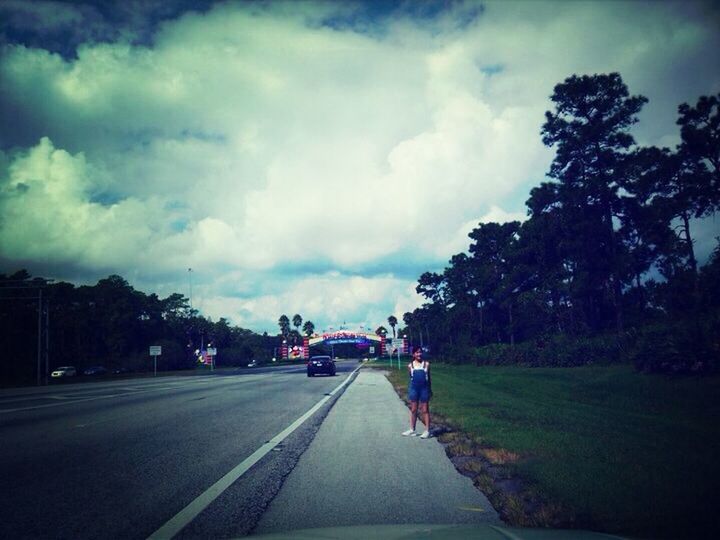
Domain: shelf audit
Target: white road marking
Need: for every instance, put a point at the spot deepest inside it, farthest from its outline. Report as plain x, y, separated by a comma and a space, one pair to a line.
190, 512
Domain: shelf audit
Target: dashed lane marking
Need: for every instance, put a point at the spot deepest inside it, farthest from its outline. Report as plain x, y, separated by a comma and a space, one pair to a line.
472, 508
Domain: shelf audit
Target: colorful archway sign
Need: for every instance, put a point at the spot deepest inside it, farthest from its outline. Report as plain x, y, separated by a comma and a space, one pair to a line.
360, 339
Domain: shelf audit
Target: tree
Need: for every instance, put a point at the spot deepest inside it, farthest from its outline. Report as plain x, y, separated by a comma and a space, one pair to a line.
381, 331
700, 133
294, 337
692, 190
432, 287
308, 328
710, 282
490, 248
392, 321
297, 321
543, 254
590, 129
284, 324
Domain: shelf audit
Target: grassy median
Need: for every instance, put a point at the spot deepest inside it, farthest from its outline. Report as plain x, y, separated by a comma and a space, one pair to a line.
615, 450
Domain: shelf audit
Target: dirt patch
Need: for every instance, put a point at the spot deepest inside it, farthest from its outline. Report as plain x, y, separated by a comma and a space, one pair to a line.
491, 469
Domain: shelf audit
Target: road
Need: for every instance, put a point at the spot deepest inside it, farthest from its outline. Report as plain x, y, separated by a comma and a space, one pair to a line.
119, 459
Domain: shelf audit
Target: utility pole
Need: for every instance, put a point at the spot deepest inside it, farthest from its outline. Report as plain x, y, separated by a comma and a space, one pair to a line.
39, 337
47, 339
190, 278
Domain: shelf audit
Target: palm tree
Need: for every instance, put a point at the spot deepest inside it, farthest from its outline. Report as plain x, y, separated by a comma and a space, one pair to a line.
284, 324
297, 321
309, 328
392, 321
381, 331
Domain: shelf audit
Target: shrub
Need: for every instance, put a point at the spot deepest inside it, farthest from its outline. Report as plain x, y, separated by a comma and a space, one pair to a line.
553, 351
676, 348
459, 354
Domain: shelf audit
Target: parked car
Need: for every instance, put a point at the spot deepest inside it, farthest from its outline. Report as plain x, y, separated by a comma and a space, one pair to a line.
121, 370
65, 371
320, 364
252, 364
95, 370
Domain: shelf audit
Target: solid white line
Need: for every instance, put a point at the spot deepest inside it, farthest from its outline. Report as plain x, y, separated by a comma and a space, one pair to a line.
187, 514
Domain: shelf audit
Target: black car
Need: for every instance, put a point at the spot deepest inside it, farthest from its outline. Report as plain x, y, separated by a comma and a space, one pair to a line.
320, 364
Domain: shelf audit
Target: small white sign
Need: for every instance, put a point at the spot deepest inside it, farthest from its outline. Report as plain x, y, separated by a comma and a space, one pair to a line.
372, 350
212, 351
155, 350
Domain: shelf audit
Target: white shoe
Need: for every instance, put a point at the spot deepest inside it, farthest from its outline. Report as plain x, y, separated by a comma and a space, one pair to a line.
425, 435
409, 433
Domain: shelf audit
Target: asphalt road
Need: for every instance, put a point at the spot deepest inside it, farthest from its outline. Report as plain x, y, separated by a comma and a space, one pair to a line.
120, 459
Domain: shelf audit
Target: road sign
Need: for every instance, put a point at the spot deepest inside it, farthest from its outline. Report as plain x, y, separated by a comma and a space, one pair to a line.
155, 351
211, 351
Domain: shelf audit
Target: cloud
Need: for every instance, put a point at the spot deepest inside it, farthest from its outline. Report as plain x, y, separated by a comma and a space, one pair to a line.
279, 142
327, 299
47, 213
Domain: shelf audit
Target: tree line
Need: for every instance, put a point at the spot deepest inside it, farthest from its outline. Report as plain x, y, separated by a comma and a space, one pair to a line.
606, 256
110, 324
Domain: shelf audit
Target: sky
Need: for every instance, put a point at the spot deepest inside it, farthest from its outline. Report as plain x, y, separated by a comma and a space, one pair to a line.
304, 157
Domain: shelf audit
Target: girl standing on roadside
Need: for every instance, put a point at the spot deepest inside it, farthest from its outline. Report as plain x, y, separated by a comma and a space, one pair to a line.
419, 392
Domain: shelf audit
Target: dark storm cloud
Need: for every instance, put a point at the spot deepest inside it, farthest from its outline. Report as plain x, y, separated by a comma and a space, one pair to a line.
61, 26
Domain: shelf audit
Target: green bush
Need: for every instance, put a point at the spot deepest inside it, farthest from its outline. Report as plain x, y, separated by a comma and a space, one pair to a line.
554, 351
681, 347
174, 356
459, 354
684, 347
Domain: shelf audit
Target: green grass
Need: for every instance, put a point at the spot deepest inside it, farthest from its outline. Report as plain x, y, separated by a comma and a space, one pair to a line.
623, 452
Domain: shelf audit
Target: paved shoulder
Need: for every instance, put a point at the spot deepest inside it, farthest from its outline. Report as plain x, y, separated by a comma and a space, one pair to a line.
359, 470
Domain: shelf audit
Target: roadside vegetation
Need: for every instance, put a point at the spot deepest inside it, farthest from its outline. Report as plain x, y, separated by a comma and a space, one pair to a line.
576, 354
600, 447
112, 324
604, 269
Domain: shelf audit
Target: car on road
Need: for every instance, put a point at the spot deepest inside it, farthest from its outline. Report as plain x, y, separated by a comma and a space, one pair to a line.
95, 370
252, 364
320, 364
64, 371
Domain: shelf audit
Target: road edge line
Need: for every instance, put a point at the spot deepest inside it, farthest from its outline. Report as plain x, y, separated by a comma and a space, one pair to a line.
191, 511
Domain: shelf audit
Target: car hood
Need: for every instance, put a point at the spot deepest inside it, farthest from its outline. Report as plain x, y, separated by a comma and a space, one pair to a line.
436, 532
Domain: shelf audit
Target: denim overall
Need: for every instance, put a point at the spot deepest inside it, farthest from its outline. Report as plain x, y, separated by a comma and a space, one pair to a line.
419, 389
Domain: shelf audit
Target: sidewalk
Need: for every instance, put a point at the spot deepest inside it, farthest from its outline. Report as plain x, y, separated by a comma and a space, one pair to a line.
359, 470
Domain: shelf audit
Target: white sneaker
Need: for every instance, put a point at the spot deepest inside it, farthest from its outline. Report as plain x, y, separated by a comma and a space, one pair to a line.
425, 435
409, 433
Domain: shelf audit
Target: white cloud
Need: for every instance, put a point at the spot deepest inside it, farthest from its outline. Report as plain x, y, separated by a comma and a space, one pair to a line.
326, 299
47, 214
250, 139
